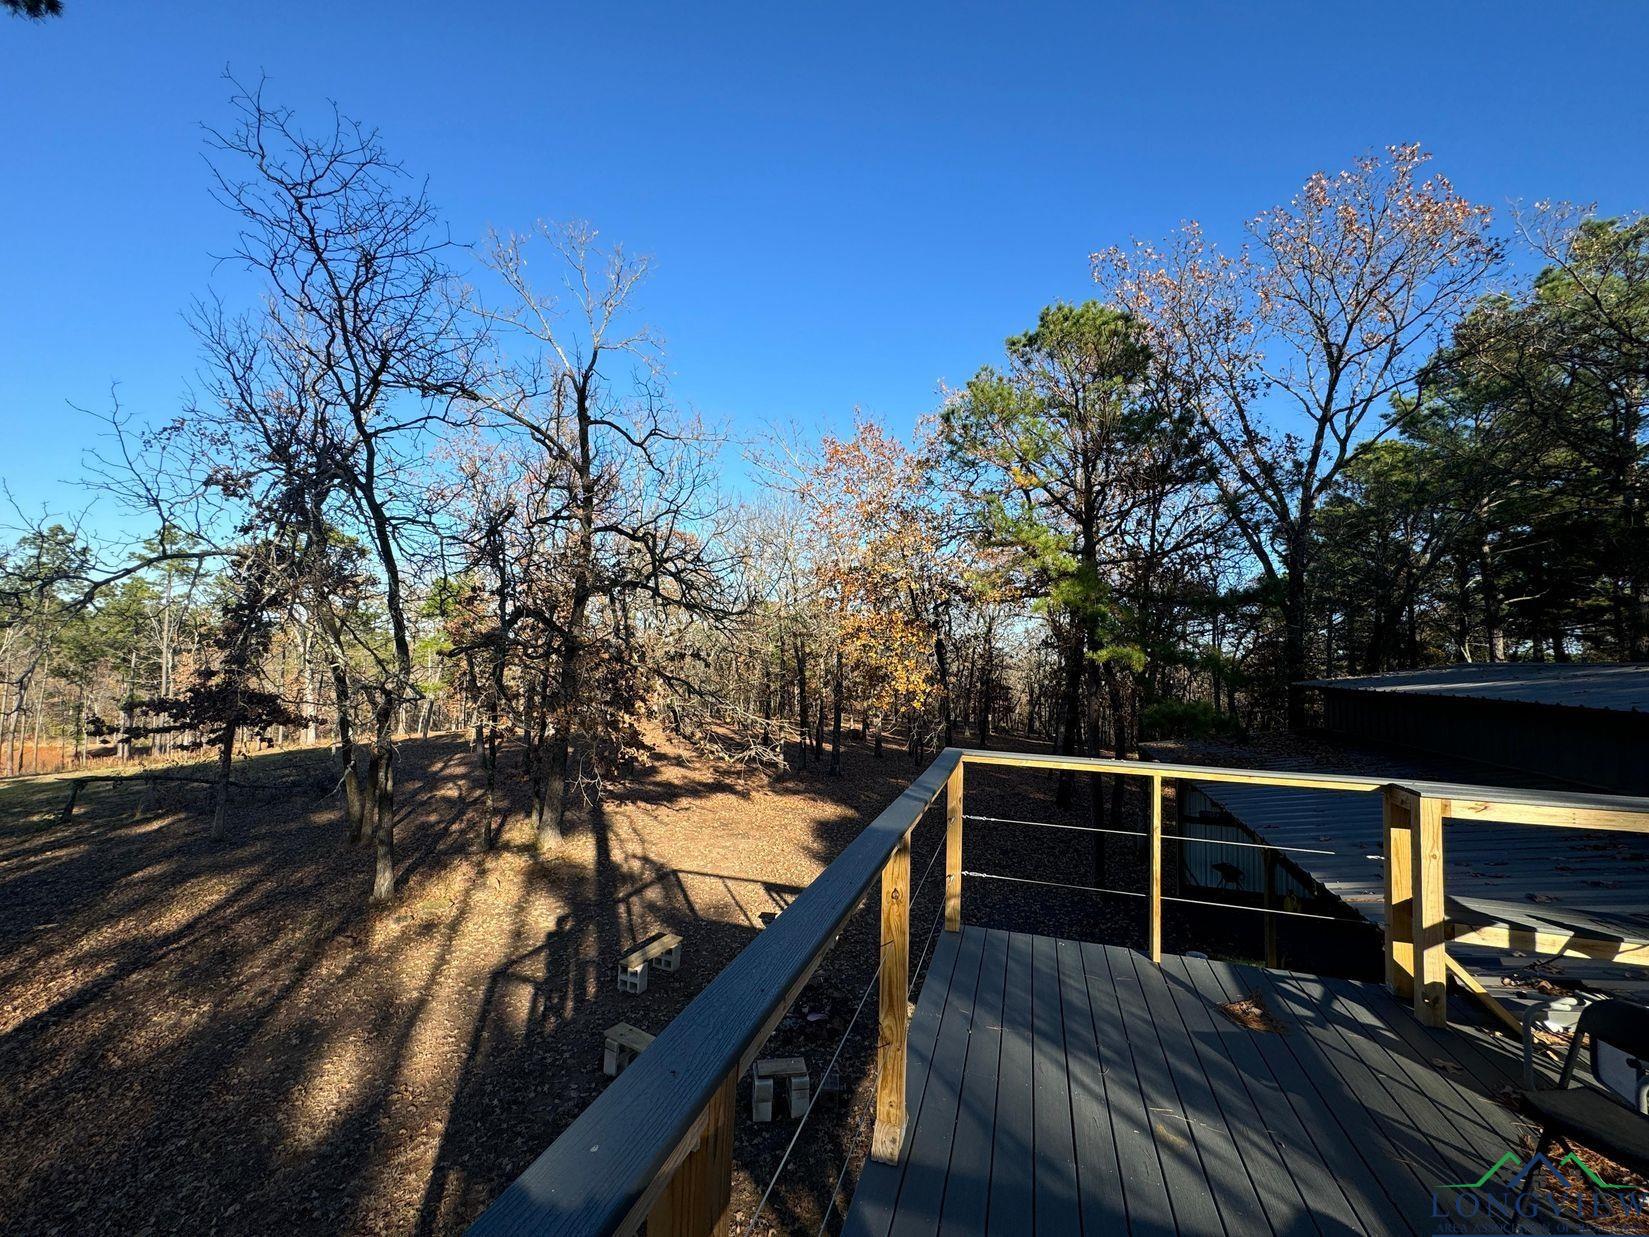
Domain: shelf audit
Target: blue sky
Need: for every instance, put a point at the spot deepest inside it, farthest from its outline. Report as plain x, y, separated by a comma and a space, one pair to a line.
847, 203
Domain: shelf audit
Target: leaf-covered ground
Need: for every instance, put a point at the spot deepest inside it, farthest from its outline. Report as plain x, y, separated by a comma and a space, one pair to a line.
221, 1038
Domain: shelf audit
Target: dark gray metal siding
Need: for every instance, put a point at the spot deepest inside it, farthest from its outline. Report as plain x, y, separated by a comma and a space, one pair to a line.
1605, 749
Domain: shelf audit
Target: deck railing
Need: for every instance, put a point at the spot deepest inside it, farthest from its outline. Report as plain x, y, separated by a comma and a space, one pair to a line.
653, 1153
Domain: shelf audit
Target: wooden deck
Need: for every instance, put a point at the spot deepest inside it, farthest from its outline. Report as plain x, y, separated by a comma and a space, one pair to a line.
1058, 1087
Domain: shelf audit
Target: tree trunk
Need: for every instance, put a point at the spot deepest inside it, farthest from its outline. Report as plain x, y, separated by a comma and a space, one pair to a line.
552, 804
943, 665
836, 719
801, 706
383, 829
220, 791
986, 689
1295, 661
1071, 707
354, 801
1492, 629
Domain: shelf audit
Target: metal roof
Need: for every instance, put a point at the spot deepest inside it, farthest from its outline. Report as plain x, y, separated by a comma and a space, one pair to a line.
1588, 685
1563, 880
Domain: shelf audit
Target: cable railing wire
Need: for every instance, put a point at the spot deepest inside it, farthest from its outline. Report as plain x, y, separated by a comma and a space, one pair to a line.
840, 1044
1140, 893
1167, 837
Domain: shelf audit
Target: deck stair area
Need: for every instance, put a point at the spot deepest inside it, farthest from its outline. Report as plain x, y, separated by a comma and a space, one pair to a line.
1062, 1087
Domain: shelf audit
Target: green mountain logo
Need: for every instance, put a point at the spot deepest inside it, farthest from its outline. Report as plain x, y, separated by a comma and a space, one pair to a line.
1522, 1169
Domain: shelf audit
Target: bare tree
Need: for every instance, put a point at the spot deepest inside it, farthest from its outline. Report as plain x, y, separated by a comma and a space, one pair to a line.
620, 487
1288, 353
360, 303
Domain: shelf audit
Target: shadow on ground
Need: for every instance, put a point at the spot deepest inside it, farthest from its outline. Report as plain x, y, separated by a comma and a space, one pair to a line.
198, 1036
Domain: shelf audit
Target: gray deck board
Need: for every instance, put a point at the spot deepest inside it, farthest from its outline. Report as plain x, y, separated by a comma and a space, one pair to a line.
1100, 1186
1144, 1205
1205, 1112
1332, 1130
1362, 1107
1059, 1087
1279, 1194
1013, 1154
927, 1165
1164, 1123
1330, 1203
967, 1188
1056, 1199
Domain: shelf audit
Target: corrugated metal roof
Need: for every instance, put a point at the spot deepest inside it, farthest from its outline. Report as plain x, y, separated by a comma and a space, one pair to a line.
1561, 880
1586, 685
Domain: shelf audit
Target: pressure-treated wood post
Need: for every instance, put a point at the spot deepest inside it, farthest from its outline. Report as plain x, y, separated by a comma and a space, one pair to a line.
894, 1006
1430, 947
953, 850
1399, 817
697, 1200
1153, 932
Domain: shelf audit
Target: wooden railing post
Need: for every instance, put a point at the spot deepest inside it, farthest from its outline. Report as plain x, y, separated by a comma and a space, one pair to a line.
953, 850
893, 1006
1399, 818
699, 1197
1153, 931
1430, 942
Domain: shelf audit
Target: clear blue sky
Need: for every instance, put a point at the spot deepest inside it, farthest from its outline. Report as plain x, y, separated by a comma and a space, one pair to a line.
847, 203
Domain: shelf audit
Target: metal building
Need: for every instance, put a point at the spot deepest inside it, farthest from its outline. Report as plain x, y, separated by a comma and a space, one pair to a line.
1583, 723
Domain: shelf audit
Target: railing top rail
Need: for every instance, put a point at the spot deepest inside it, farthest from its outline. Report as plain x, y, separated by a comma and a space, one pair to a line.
1299, 779
602, 1173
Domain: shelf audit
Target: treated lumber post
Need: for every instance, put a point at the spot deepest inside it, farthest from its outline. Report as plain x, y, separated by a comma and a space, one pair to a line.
1399, 819
1430, 940
1153, 930
893, 1008
697, 1200
953, 850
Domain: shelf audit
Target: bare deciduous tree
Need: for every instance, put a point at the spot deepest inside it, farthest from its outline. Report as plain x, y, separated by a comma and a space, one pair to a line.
1288, 353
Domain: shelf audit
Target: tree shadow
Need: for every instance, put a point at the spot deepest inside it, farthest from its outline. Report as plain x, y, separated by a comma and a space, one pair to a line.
197, 1035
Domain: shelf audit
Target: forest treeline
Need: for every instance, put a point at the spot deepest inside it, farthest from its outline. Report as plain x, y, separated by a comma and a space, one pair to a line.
424, 485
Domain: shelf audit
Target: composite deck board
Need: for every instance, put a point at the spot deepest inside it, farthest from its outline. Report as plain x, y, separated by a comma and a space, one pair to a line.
1144, 1201
968, 1185
1332, 1131
1013, 1153
1100, 1187
1279, 1194
1059, 1087
1427, 1069
1330, 1200
1333, 1126
1238, 1200
1422, 1096
1056, 1210
1168, 1124
922, 1192
1364, 1107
